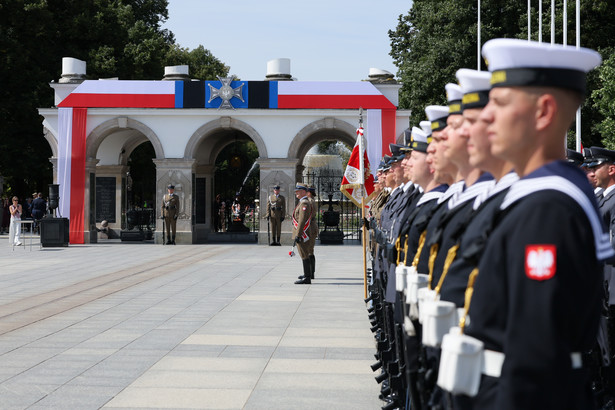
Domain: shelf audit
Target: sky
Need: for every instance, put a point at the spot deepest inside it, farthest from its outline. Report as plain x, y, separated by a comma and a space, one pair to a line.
325, 40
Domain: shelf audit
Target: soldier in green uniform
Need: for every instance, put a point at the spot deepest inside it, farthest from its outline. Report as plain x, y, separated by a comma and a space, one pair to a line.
170, 211
302, 231
314, 229
276, 211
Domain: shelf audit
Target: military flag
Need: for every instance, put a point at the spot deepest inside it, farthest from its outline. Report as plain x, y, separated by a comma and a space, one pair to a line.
358, 181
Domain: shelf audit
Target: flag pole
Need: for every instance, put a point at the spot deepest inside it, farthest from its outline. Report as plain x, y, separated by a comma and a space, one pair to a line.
362, 182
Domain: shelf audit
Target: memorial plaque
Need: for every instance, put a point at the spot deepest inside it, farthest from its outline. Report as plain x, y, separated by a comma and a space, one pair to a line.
200, 199
105, 199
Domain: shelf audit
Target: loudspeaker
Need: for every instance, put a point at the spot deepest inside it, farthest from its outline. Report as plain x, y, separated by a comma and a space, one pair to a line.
54, 197
54, 232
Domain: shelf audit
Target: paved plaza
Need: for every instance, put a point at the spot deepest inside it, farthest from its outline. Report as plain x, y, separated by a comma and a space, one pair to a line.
125, 326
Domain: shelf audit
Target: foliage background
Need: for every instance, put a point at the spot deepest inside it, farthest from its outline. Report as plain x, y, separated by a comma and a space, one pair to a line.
437, 37
116, 38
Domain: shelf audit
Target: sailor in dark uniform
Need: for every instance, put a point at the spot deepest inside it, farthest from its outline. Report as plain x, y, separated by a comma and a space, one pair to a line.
589, 171
603, 169
574, 157
444, 174
535, 303
401, 195
467, 229
475, 224
442, 240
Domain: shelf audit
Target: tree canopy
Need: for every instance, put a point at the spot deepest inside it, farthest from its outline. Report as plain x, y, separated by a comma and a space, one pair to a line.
116, 38
437, 37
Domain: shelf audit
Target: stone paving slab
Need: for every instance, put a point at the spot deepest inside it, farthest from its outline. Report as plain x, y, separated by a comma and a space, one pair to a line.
131, 326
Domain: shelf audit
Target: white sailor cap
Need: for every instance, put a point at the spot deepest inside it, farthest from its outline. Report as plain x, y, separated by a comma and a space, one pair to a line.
475, 86
426, 126
453, 96
515, 62
437, 115
419, 140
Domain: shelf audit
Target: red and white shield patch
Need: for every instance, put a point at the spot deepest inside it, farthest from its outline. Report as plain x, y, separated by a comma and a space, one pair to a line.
540, 261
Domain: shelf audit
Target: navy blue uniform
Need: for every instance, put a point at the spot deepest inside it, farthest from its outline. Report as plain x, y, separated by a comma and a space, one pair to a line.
537, 294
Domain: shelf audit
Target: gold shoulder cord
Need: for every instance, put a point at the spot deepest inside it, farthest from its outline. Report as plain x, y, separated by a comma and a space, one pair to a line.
468, 298
450, 257
415, 261
433, 253
399, 248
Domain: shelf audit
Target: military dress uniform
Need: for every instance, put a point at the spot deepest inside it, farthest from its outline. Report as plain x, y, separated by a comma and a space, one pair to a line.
276, 210
314, 230
536, 299
605, 377
170, 212
302, 218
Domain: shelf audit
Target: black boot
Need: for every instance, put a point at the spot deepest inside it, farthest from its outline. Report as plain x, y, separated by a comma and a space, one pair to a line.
169, 240
312, 265
173, 242
306, 273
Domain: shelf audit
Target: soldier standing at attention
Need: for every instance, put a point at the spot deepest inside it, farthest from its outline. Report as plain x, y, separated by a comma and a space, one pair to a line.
170, 211
314, 230
302, 231
276, 210
603, 168
535, 303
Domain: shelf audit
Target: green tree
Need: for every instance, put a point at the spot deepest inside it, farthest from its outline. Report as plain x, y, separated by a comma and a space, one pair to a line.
116, 38
203, 64
604, 102
437, 37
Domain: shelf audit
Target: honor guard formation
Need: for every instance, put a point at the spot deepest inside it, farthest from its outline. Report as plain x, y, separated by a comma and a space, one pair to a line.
492, 282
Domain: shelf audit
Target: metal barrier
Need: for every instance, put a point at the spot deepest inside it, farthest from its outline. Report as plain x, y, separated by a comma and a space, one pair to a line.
329, 196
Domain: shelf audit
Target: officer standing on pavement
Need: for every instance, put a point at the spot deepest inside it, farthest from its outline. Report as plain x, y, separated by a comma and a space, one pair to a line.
314, 229
535, 303
170, 212
276, 210
302, 218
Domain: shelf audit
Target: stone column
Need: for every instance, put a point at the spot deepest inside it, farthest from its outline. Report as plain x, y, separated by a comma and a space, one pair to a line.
54, 164
178, 172
89, 221
277, 171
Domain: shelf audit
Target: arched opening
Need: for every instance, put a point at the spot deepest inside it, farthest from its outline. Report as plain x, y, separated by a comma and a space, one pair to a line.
226, 182
125, 179
323, 157
142, 171
236, 187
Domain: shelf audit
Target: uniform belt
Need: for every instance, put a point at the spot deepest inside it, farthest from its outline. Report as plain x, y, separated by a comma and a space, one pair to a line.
493, 361
277, 208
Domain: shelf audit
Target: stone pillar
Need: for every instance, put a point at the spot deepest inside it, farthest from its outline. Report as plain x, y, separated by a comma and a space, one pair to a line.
89, 221
176, 171
277, 171
119, 173
54, 164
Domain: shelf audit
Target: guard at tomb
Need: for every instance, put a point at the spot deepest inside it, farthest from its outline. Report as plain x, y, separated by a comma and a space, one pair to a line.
170, 212
276, 211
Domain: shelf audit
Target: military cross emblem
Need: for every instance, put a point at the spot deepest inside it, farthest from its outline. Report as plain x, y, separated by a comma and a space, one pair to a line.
226, 92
